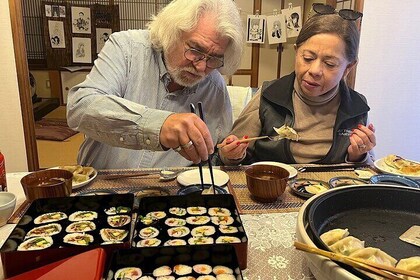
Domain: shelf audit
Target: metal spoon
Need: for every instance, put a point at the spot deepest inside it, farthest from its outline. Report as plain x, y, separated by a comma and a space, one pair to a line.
168, 175
164, 175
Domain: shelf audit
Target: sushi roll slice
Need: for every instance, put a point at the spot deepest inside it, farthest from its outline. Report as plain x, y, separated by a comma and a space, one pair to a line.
225, 277
83, 216
175, 242
81, 226
198, 220
186, 278
50, 217
146, 278
202, 269
206, 277
9, 246
148, 232
117, 210
35, 243
118, 220
147, 220
78, 238
222, 220
128, 273
178, 231
112, 234
221, 269
178, 211
198, 240
182, 269
197, 210
162, 271
26, 219
228, 239
156, 214
175, 222
228, 229
203, 231
151, 242
46, 230
169, 277
219, 211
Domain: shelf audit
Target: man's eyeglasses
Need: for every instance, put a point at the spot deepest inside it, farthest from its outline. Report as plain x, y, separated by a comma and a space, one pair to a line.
346, 14
212, 62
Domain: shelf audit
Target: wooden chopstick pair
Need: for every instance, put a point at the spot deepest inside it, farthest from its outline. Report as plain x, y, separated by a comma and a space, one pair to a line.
243, 141
378, 269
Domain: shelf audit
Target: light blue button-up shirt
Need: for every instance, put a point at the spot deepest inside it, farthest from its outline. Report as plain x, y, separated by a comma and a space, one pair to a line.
123, 103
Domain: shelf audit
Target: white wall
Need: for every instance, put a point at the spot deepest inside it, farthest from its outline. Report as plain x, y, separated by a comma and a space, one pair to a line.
12, 143
388, 74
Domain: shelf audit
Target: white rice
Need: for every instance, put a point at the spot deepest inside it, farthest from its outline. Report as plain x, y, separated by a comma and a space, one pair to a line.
162, 271
178, 231
182, 269
198, 220
203, 231
202, 268
219, 211
197, 210
177, 211
222, 220
148, 232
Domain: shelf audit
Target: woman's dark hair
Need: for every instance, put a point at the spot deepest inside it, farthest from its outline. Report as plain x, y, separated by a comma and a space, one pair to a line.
332, 24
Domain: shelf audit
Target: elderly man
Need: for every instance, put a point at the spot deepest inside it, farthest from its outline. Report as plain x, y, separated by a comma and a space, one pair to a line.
134, 104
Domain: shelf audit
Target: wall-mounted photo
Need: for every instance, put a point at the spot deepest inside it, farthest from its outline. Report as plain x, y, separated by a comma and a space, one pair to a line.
48, 12
80, 18
293, 21
81, 49
102, 35
255, 29
276, 29
56, 32
62, 11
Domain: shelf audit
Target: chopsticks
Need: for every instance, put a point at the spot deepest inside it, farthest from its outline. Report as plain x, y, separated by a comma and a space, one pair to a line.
120, 176
200, 166
243, 140
378, 269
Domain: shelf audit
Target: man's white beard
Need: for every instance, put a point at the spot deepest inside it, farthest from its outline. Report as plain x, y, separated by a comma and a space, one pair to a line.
181, 79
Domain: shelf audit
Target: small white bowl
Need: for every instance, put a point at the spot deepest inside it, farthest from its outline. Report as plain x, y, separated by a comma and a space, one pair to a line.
7, 206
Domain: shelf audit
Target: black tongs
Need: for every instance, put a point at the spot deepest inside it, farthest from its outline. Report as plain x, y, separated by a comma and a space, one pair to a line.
200, 165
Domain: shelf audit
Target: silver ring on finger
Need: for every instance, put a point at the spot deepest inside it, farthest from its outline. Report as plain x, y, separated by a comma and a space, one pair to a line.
361, 147
186, 146
177, 149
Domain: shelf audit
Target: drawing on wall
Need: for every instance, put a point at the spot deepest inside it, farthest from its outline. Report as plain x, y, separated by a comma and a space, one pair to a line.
255, 29
80, 18
276, 29
56, 32
102, 35
62, 11
55, 10
81, 50
48, 11
293, 21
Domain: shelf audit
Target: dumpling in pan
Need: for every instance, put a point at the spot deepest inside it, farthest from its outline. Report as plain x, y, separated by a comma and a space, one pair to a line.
332, 236
374, 255
347, 245
410, 264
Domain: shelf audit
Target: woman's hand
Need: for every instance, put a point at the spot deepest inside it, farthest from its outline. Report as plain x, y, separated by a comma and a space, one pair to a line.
232, 149
362, 140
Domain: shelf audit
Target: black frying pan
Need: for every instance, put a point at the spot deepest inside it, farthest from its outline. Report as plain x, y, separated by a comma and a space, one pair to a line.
375, 214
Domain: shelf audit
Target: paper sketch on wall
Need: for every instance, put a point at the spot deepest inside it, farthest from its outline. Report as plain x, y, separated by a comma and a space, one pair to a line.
80, 18
56, 32
62, 11
48, 12
55, 10
276, 29
255, 29
293, 21
102, 35
82, 50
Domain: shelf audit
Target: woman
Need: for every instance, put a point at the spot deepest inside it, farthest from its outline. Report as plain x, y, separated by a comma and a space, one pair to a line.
330, 118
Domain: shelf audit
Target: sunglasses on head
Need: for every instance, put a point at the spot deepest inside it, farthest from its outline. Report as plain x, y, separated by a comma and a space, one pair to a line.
346, 14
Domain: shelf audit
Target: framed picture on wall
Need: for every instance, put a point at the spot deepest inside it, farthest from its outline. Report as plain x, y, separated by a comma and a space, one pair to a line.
81, 20
102, 35
81, 49
276, 29
255, 29
56, 32
293, 21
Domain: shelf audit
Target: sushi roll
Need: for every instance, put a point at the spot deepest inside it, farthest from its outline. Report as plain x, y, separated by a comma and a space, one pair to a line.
50, 217
222, 220
81, 226
198, 220
46, 230
197, 210
202, 269
146, 278
225, 277
112, 234
175, 222
178, 231
18, 233
178, 211
221, 269
26, 219
175, 242
35, 243
169, 277
198, 240
83, 216
182, 269
128, 273
118, 220
151, 242
156, 214
228, 239
219, 211
148, 232
228, 229
9, 246
78, 238
147, 220
203, 231
186, 278
206, 277
162, 271
117, 210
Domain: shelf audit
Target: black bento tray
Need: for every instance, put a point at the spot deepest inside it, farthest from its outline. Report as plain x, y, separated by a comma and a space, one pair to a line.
151, 204
16, 262
150, 258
